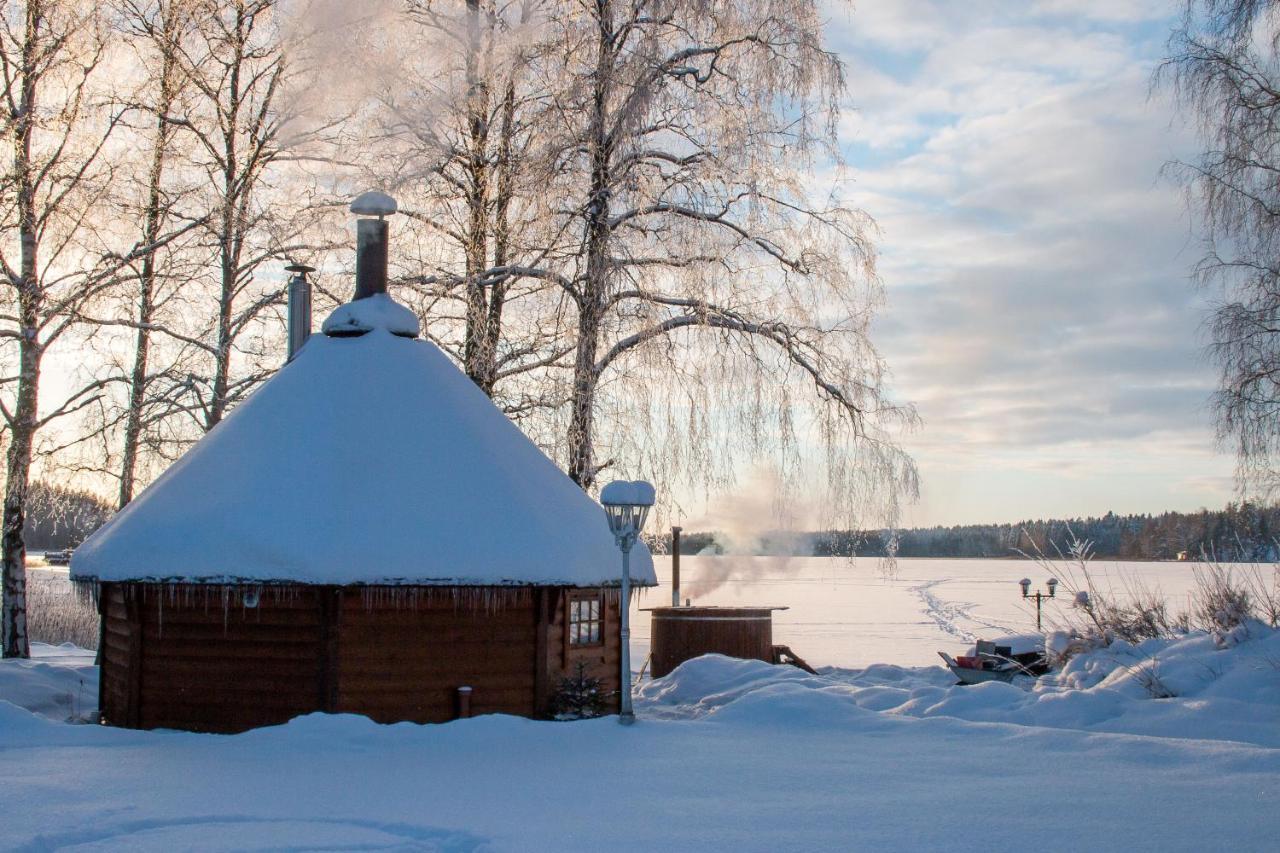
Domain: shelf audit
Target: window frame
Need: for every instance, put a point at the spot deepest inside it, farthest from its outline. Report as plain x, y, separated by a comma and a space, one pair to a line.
572, 626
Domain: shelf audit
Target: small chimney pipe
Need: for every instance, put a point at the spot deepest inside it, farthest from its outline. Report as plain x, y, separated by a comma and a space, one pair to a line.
371, 257
299, 308
464, 703
675, 567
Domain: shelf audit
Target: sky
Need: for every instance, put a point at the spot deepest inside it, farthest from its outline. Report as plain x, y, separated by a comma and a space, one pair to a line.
1040, 312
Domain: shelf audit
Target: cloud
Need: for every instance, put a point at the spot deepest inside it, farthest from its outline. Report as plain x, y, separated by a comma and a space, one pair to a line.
1039, 306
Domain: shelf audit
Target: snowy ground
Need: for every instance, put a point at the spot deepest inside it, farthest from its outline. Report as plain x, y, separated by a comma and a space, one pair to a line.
727, 755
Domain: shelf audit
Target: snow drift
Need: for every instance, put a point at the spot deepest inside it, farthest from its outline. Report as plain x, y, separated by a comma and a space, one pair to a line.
754, 758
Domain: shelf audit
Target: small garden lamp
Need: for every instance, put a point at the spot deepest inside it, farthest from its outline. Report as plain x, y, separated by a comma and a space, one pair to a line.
1051, 583
626, 503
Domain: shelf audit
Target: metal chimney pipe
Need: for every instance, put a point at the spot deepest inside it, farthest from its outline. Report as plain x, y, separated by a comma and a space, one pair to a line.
675, 567
371, 242
299, 308
371, 257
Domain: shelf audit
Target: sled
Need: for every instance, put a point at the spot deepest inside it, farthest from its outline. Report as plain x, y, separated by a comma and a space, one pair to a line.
998, 660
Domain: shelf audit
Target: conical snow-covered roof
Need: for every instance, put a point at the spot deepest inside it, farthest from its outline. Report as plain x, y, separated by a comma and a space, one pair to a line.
368, 459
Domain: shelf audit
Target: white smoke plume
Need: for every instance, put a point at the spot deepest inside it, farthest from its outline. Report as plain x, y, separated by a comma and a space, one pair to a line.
759, 528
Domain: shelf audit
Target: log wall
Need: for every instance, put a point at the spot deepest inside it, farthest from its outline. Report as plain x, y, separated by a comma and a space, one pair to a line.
601, 661
408, 663
201, 659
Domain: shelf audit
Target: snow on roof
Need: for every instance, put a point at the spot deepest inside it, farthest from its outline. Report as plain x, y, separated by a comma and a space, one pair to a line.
378, 311
366, 460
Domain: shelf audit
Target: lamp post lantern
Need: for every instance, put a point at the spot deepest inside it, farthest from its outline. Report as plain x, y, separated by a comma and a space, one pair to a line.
626, 503
1051, 583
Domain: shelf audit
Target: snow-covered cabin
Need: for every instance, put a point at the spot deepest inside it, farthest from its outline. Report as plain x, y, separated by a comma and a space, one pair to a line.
367, 533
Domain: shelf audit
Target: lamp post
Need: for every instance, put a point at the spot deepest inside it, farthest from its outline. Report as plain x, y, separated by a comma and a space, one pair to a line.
1039, 596
627, 505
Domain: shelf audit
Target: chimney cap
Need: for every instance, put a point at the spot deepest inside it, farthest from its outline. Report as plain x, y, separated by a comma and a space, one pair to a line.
374, 203
302, 268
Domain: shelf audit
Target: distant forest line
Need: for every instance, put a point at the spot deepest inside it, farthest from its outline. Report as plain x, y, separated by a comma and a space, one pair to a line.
60, 518
1244, 532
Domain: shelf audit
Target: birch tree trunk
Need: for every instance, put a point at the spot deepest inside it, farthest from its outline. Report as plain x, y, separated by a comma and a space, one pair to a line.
147, 279
22, 421
476, 361
486, 371
595, 282
48, 60
54, 184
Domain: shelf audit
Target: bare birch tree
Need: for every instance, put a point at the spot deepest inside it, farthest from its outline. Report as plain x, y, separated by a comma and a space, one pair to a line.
236, 67
1223, 66
158, 30
458, 120
704, 279
53, 261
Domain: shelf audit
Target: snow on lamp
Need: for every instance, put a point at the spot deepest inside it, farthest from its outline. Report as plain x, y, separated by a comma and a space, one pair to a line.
1051, 583
626, 505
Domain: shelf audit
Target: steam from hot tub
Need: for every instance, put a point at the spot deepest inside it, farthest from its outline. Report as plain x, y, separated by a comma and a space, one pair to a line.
758, 533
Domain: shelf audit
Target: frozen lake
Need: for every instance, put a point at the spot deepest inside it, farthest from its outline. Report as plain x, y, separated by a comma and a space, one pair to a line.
853, 614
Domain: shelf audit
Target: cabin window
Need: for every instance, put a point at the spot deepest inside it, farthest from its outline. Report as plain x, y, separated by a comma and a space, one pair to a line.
585, 618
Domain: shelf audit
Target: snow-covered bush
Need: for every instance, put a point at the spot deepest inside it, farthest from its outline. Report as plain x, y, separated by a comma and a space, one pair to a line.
1226, 602
1220, 603
1234, 603
1099, 616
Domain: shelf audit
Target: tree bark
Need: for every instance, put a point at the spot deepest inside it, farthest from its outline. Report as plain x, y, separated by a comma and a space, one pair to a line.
476, 359
487, 372
234, 188
22, 428
591, 301
147, 279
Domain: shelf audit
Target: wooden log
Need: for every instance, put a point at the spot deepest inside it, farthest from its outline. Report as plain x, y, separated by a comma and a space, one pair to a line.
330, 617
541, 665
133, 709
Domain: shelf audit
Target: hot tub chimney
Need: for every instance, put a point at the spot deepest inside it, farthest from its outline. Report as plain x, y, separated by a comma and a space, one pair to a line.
371, 242
299, 307
675, 567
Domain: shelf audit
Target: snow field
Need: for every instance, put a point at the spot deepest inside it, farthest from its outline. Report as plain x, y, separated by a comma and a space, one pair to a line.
728, 755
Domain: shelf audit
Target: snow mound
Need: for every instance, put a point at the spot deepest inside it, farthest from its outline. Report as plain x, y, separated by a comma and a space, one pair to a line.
1187, 688
378, 311
782, 760
703, 685
57, 682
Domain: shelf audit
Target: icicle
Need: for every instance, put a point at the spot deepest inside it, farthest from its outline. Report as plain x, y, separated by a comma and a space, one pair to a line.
87, 592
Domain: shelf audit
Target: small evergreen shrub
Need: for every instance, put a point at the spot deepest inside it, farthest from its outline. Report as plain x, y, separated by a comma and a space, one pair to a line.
579, 696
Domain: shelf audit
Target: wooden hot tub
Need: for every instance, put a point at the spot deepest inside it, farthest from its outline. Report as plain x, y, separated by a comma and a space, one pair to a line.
683, 633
